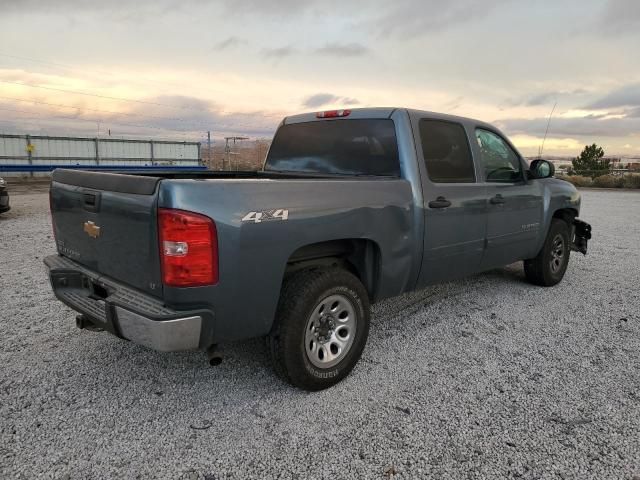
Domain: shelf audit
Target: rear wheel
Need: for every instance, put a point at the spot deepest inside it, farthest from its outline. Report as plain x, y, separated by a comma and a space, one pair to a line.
321, 327
550, 265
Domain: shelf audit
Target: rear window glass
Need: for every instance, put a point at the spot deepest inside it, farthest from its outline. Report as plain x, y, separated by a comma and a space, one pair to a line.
446, 152
347, 147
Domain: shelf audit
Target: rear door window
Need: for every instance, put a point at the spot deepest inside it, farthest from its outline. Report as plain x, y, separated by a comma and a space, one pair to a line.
346, 147
446, 152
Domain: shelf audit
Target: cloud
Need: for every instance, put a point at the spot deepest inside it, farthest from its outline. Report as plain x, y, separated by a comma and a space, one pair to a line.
133, 10
619, 17
589, 126
267, 7
402, 17
633, 113
228, 43
198, 115
343, 50
320, 99
542, 99
113, 7
412, 18
280, 52
548, 97
189, 119
330, 49
626, 96
350, 101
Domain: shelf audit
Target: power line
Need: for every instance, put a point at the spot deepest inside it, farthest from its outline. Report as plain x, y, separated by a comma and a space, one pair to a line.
72, 68
94, 120
38, 123
255, 114
93, 109
193, 123
95, 95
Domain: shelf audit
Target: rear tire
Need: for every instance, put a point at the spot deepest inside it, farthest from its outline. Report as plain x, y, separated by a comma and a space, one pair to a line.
550, 265
321, 328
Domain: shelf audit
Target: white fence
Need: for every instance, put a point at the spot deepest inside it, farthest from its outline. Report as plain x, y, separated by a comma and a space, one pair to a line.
35, 154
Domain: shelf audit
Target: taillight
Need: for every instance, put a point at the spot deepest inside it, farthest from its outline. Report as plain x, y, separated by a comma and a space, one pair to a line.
333, 114
188, 248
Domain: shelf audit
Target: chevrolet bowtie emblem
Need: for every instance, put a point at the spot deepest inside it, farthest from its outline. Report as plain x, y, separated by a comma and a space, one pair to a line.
91, 229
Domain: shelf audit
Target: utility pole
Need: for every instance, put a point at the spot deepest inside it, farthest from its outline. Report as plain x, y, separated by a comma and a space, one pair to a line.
209, 152
228, 152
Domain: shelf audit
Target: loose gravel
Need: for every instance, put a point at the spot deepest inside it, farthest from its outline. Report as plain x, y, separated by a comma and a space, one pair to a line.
487, 377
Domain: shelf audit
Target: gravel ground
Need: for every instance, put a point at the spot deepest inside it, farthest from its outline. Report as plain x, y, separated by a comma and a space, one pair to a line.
487, 377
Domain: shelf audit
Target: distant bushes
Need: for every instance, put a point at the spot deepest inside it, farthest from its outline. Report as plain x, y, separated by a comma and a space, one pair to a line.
578, 180
631, 181
605, 181
608, 181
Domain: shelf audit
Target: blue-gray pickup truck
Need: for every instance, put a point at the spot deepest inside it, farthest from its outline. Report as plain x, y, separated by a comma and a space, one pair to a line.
351, 207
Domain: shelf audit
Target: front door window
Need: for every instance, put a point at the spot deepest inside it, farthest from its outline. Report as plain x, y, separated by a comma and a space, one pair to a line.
499, 161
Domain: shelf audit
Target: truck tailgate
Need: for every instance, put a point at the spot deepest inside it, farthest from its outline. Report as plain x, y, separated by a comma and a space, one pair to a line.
107, 222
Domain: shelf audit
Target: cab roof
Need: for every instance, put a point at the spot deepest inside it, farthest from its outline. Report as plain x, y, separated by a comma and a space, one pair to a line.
380, 113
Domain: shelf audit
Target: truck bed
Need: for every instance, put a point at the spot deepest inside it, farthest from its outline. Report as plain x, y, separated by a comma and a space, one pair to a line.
72, 175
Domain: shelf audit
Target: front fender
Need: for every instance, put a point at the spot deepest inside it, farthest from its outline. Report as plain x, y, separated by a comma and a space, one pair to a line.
558, 196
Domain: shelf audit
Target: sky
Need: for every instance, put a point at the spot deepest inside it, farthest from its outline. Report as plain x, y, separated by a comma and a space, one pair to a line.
175, 69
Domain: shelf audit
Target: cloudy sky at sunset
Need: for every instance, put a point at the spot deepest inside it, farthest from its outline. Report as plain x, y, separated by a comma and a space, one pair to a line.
177, 68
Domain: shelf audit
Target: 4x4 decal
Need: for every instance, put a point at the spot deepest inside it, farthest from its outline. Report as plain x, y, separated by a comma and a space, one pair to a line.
266, 215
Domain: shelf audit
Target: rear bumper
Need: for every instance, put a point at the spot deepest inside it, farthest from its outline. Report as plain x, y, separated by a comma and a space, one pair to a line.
125, 312
4, 201
581, 236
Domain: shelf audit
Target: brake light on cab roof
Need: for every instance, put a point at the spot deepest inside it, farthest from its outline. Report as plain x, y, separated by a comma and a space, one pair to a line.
333, 114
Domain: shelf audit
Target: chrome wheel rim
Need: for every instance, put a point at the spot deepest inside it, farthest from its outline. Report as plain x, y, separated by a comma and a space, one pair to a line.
330, 331
557, 254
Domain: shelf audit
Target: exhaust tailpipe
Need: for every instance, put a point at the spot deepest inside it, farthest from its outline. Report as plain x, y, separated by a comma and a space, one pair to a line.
214, 355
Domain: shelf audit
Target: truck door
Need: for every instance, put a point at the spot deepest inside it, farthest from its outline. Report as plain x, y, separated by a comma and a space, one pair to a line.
454, 202
514, 213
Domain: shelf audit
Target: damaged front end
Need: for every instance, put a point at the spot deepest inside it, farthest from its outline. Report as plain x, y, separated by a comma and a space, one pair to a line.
581, 235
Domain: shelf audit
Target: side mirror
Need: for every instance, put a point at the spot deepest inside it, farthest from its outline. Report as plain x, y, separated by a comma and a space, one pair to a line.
541, 169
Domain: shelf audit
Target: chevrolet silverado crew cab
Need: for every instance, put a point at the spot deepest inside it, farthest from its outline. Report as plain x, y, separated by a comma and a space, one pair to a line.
350, 207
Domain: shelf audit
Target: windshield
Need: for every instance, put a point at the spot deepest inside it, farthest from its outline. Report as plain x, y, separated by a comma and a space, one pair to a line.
344, 147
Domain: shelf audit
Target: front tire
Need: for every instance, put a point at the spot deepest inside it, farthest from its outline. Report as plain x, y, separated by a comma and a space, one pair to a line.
550, 265
321, 327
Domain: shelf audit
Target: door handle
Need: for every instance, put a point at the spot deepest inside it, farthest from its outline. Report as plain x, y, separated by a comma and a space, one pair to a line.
439, 202
497, 200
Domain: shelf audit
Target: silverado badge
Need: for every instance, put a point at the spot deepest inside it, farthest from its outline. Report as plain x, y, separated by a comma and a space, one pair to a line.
91, 229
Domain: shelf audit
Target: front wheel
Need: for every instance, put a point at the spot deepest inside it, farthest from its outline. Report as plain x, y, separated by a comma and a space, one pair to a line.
549, 266
321, 327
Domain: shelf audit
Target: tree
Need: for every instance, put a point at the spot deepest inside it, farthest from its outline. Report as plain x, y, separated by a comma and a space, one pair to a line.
590, 162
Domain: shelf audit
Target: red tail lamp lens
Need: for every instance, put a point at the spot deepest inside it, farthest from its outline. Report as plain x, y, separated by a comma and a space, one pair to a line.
188, 248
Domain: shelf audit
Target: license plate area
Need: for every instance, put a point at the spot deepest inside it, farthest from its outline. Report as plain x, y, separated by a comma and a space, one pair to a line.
83, 294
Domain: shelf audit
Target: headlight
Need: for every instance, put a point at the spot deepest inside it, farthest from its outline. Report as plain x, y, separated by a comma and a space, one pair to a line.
3, 182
